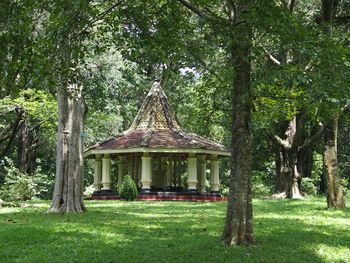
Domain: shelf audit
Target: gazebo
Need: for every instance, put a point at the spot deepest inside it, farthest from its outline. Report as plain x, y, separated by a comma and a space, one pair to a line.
153, 151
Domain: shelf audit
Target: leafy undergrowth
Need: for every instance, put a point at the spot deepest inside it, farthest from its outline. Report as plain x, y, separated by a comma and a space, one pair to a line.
286, 230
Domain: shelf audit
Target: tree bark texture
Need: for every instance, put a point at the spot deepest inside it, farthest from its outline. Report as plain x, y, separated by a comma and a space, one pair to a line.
239, 217
335, 197
68, 192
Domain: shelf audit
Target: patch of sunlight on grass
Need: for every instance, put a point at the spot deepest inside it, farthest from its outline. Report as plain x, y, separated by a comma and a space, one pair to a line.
6, 210
334, 254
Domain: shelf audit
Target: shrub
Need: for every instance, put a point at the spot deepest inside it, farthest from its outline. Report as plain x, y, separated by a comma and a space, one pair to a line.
308, 187
345, 183
224, 190
128, 190
261, 186
260, 183
89, 190
19, 186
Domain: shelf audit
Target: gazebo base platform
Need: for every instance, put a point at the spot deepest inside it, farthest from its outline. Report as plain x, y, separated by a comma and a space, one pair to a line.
165, 196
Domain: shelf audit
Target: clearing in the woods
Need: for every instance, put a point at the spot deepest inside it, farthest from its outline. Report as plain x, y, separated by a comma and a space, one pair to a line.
118, 231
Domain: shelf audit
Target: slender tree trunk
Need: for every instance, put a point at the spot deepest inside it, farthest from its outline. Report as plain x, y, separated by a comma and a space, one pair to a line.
68, 192
278, 165
239, 217
26, 149
323, 179
335, 196
23, 147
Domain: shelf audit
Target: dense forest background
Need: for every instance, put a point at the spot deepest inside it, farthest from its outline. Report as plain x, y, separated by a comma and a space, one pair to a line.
114, 51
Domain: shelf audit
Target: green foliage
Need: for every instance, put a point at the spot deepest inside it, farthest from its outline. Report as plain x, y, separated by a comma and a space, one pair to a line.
343, 150
224, 190
261, 186
89, 190
37, 107
18, 186
308, 187
128, 189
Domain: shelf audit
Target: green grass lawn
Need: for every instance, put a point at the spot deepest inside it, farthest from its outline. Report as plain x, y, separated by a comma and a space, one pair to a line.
115, 231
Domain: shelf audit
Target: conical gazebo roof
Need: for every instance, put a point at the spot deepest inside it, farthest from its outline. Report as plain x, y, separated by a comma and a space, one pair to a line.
156, 129
155, 112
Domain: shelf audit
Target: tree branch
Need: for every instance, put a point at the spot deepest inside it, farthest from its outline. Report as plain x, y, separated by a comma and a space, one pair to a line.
14, 127
273, 59
313, 139
37, 126
279, 141
12, 137
291, 5
35, 146
194, 9
232, 7
282, 142
276, 140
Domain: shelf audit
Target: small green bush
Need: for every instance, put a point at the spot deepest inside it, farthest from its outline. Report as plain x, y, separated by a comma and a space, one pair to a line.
308, 187
89, 190
224, 190
19, 186
128, 190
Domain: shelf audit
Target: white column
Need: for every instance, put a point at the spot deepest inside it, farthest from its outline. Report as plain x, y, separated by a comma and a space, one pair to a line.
146, 173
214, 173
202, 173
98, 173
192, 172
106, 172
121, 170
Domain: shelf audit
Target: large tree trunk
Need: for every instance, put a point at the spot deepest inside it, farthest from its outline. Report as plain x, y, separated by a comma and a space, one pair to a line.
239, 217
288, 177
290, 155
288, 171
68, 192
335, 196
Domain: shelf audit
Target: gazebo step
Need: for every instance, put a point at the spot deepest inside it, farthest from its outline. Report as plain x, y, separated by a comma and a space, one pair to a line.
169, 196
184, 193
